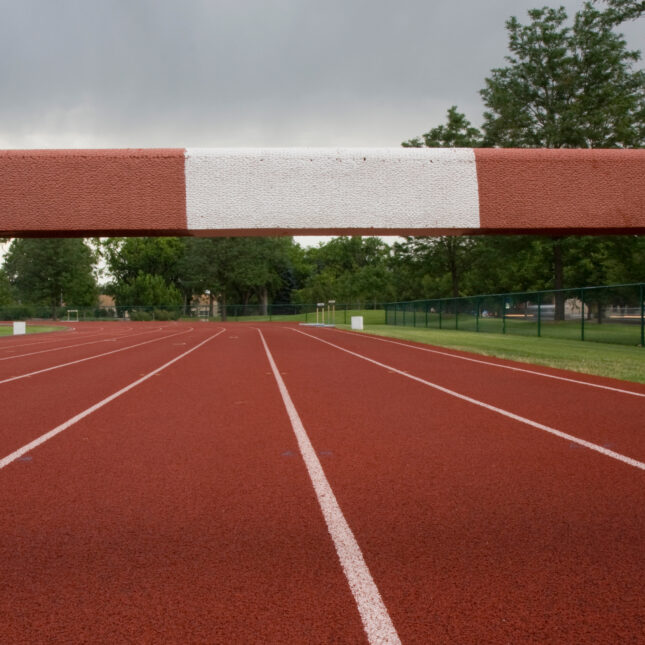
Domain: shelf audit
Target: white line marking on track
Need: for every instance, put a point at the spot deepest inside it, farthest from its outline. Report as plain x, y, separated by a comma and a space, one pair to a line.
75, 419
558, 433
376, 619
50, 337
490, 363
89, 358
89, 342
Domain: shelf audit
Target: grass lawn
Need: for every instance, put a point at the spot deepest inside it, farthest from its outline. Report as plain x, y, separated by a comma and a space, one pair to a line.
567, 329
603, 359
6, 329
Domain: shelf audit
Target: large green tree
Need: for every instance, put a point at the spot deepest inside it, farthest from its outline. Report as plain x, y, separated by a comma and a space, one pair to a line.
128, 257
52, 272
242, 270
348, 269
565, 86
144, 270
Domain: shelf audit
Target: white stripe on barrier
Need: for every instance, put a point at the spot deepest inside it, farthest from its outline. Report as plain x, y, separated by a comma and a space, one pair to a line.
326, 188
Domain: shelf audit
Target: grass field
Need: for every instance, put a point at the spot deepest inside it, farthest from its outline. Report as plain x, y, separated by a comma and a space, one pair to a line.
603, 359
568, 329
6, 329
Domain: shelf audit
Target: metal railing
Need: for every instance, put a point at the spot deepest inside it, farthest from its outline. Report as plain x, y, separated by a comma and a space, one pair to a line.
610, 314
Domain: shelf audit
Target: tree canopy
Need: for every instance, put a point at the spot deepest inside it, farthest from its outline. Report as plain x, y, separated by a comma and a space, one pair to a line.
565, 86
51, 272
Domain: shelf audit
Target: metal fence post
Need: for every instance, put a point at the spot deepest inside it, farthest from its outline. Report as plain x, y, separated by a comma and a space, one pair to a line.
477, 306
440, 314
414, 314
427, 307
539, 305
582, 314
642, 297
503, 314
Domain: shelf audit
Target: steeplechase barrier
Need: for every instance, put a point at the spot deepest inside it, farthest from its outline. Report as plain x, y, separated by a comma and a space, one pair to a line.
318, 191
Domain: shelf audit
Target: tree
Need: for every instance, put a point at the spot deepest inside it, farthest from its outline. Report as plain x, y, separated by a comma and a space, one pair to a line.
146, 290
456, 133
622, 10
566, 86
436, 265
53, 272
440, 261
128, 257
144, 270
242, 268
349, 269
5, 289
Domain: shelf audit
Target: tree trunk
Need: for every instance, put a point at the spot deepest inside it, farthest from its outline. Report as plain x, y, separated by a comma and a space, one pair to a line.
558, 278
451, 248
264, 300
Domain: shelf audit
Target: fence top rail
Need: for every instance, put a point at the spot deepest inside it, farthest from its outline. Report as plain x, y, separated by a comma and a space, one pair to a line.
515, 293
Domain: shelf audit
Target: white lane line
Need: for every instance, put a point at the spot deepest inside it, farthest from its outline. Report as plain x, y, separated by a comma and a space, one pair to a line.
89, 342
75, 419
491, 364
51, 337
558, 433
376, 619
89, 358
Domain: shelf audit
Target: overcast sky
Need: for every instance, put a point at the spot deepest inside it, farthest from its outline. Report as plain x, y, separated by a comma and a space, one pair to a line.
156, 73
209, 73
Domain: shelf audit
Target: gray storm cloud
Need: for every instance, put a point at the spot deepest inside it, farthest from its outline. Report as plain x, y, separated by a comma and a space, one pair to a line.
143, 73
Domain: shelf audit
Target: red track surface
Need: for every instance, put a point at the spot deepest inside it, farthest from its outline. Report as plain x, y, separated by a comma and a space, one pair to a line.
182, 511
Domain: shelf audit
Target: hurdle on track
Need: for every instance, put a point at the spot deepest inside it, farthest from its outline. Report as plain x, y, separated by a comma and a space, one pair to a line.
321, 191
320, 315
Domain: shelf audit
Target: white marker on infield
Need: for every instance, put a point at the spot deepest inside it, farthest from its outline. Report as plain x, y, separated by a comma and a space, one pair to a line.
357, 322
19, 328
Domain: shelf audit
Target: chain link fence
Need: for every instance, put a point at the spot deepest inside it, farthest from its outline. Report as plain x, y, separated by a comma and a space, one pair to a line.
340, 313
611, 314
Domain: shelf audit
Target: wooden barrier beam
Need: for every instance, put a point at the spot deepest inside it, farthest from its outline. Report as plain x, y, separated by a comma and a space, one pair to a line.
320, 191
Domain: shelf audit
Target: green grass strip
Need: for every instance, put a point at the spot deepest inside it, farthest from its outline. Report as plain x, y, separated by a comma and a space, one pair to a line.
7, 329
602, 359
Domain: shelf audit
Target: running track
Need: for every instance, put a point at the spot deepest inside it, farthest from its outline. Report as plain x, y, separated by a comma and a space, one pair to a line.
237, 483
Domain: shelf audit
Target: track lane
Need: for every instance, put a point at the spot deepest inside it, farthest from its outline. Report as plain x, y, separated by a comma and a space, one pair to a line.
38, 403
182, 514
475, 528
580, 378
610, 419
32, 365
